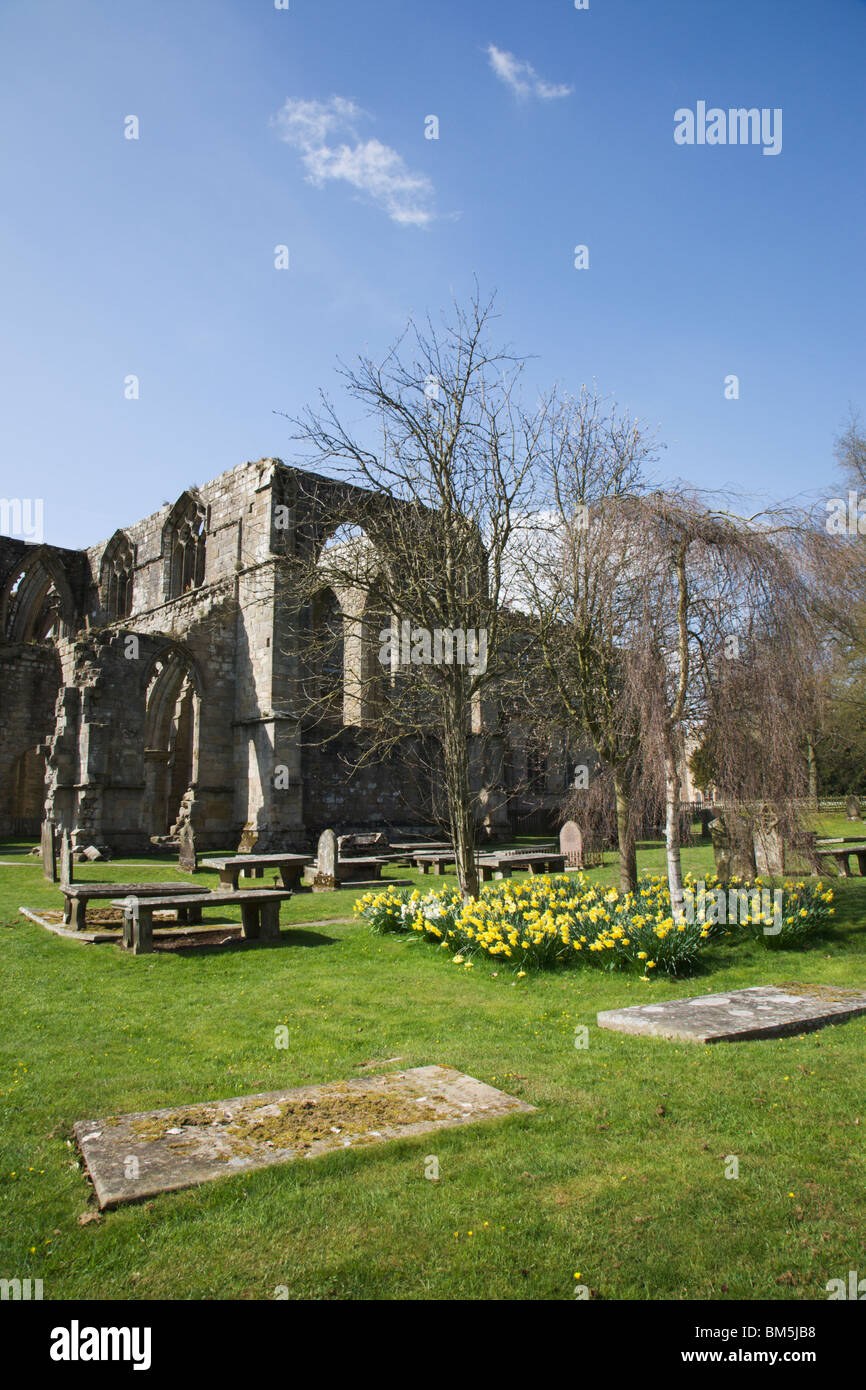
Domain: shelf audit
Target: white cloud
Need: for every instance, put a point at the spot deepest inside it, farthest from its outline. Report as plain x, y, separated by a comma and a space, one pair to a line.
522, 78
313, 127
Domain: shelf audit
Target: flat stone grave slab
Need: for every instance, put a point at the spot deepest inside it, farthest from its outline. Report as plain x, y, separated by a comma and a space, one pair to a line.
107, 926
130, 1157
765, 1011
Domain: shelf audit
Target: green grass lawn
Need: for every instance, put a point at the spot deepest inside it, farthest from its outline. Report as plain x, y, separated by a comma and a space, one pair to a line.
620, 1175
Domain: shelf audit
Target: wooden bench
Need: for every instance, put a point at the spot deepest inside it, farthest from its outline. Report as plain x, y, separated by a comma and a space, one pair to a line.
78, 895
544, 848
842, 855
230, 868
503, 865
260, 913
403, 853
371, 864
432, 859
418, 846
495, 865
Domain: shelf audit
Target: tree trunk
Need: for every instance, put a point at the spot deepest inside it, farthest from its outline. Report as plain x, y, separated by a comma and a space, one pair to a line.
672, 831
812, 764
625, 837
459, 792
672, 769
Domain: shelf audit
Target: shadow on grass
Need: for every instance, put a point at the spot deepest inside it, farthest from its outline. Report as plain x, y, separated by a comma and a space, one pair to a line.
291, 937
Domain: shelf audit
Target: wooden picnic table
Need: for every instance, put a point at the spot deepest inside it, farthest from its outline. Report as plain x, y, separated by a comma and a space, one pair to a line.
364, 868
260, 913
348, 869
503, 865
77, 895
232, 866
841, 855
495, 865
432, 859
418, 846
402, 853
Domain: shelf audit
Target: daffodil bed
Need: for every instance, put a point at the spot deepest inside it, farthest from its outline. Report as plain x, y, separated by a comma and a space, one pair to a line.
566, 920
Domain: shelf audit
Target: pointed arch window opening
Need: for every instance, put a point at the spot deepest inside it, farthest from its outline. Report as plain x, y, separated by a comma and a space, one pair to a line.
117, 582
33, 606
172, 725
186, 550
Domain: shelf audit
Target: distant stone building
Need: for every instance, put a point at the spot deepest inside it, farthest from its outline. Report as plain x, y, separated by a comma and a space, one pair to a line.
147, 681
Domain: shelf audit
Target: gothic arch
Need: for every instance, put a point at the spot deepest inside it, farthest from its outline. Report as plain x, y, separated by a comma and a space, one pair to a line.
37, 602
172, 722
374, 675
115, 577
328, 654
352, 578
27, 790
183, 546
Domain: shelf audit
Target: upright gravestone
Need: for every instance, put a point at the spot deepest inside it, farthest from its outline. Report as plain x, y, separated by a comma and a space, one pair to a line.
732, 849
571, 845
742, 851
66, 870
769, 846
48, 842
186, 857
326, 862
721, 849
852, 808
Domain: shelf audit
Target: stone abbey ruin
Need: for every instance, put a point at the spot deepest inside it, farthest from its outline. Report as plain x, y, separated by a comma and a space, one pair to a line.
146, 683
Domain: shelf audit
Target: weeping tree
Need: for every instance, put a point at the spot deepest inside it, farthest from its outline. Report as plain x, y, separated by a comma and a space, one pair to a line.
577, 608
726, 630
438, 457
838, 745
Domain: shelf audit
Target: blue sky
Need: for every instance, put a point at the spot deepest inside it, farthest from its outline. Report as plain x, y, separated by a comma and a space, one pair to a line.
155, 256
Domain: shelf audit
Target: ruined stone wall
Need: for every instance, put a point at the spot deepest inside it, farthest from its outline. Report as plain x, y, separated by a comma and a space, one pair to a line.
29, 682
186, 706
238, 526
105, 753
383, 793
223, 628
29, 669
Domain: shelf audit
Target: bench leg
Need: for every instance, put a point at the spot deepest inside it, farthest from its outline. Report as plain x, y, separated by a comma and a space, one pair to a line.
270, 921
843, 866
250, 917
128, 928
861, 864
142, 929
193, 914
79, 914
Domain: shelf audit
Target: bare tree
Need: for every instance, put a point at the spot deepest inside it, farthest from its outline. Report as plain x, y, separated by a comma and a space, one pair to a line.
851, 452
578, 612
445, 456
